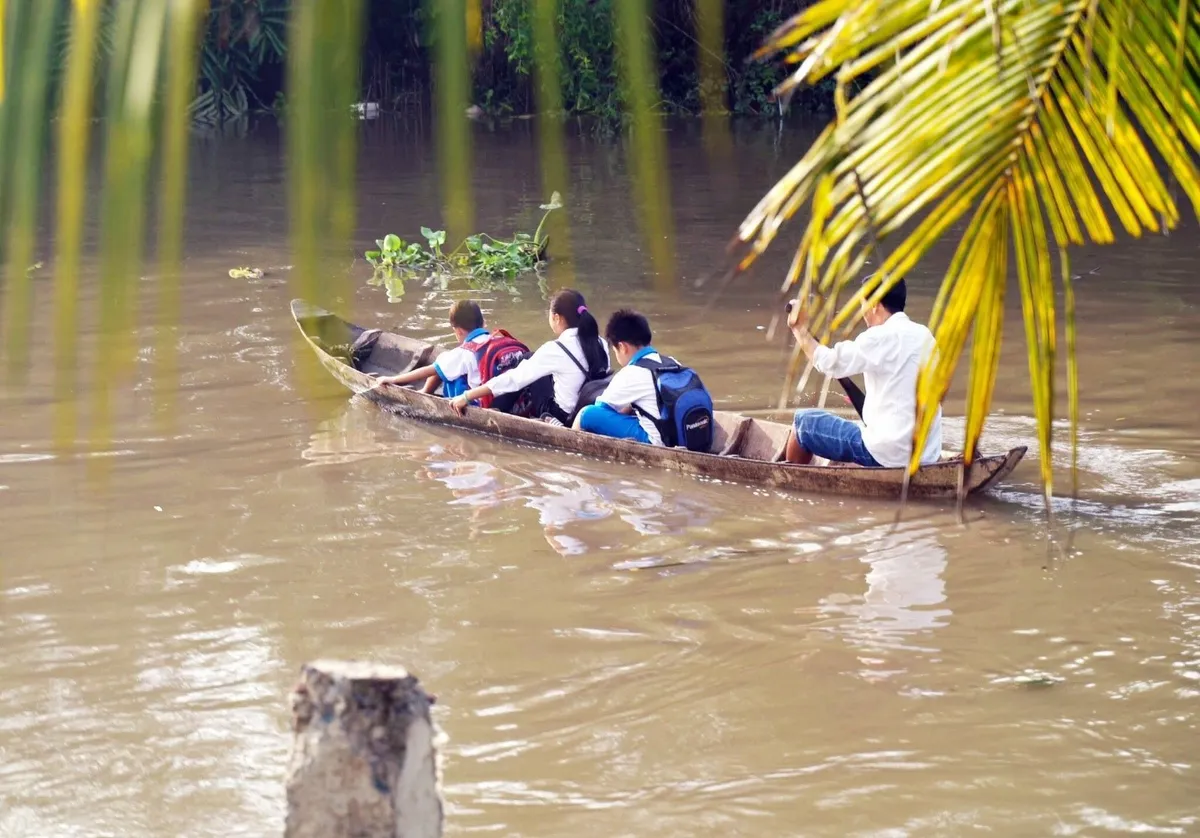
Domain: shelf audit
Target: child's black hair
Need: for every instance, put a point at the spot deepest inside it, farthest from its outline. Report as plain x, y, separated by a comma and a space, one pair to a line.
627, 326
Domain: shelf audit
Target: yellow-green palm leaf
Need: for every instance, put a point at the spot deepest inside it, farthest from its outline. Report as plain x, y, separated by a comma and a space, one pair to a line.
1040, 120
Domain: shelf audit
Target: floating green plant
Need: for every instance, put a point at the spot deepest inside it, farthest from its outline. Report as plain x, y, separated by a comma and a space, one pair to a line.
478, 256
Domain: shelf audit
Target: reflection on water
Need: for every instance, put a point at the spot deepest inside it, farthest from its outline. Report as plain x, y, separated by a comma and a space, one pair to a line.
615, 650
561, 496
904, 586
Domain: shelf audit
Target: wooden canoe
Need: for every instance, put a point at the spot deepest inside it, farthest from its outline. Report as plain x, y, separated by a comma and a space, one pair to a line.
745, 449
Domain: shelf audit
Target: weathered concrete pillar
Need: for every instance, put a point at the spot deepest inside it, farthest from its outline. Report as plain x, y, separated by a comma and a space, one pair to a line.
364, 760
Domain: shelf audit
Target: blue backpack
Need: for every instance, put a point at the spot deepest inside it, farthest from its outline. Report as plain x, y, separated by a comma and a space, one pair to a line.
684, 406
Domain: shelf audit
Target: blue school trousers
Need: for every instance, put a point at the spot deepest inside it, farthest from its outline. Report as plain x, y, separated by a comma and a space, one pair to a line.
606, 421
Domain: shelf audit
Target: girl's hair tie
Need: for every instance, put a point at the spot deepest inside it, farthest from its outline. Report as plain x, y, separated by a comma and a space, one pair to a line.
581, 310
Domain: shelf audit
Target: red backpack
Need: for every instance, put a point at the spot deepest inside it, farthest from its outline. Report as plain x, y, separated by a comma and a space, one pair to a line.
499, 353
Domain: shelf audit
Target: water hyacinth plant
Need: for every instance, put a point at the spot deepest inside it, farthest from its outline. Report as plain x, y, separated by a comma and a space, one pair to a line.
479, 255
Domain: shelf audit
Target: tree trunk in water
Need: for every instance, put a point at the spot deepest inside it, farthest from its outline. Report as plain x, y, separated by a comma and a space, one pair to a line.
364, 761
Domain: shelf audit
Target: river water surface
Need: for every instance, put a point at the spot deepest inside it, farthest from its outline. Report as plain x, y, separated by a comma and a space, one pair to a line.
615, 651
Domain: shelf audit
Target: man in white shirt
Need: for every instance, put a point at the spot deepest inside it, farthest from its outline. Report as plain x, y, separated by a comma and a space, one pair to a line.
889, 354
624, 409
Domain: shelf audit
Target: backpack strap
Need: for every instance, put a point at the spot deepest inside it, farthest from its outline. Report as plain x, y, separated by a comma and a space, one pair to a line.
657, 422
571, 355
667, 363
653, 367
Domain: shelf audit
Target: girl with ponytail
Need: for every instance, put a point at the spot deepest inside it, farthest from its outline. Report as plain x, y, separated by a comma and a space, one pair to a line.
572, 308
547, 385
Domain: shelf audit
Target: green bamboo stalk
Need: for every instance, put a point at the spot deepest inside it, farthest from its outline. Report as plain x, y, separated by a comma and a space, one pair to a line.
551, 146
322, 147
184, 24
27, 110
453, 139
714, 83
129, 143
13, 22
3, 67
652, 189
74, 139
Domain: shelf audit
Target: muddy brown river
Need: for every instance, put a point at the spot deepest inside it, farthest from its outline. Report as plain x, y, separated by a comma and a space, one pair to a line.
616, 651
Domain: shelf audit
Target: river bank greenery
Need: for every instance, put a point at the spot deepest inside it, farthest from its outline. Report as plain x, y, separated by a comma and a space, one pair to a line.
245, 43
1020, 127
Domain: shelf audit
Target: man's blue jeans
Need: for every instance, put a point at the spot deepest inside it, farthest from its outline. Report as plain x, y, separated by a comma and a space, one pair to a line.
832, 437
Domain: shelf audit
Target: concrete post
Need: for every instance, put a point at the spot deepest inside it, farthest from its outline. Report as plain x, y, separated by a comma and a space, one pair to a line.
364, 760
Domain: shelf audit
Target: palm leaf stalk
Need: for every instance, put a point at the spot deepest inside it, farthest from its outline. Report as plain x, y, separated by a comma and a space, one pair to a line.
1037, 120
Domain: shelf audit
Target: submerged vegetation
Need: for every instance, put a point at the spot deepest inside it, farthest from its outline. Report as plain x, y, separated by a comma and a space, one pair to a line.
479, 255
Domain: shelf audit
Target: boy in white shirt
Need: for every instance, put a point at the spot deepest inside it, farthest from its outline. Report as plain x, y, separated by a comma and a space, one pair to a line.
456, 370
889, 354
614, 414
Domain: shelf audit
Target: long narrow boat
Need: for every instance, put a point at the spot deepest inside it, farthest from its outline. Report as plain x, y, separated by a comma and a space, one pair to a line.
745, 449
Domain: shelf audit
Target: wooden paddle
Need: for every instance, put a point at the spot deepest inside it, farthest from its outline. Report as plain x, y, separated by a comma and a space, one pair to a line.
854, 393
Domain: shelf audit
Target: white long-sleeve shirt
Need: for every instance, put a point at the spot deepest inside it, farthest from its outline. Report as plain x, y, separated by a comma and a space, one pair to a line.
889, 356
549, 359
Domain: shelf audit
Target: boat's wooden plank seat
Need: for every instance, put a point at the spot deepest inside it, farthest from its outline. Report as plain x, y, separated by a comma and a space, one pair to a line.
392, 354
734, 439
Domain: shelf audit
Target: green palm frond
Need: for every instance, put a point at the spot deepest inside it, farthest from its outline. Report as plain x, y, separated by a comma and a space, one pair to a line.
1041, 120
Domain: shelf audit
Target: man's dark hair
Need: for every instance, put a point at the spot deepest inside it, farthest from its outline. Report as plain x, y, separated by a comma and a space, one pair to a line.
466, 314
894, 299
627, 326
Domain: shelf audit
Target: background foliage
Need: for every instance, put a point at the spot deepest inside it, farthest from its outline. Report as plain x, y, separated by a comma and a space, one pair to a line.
241, 61
244, 48
245, 44
400, 43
